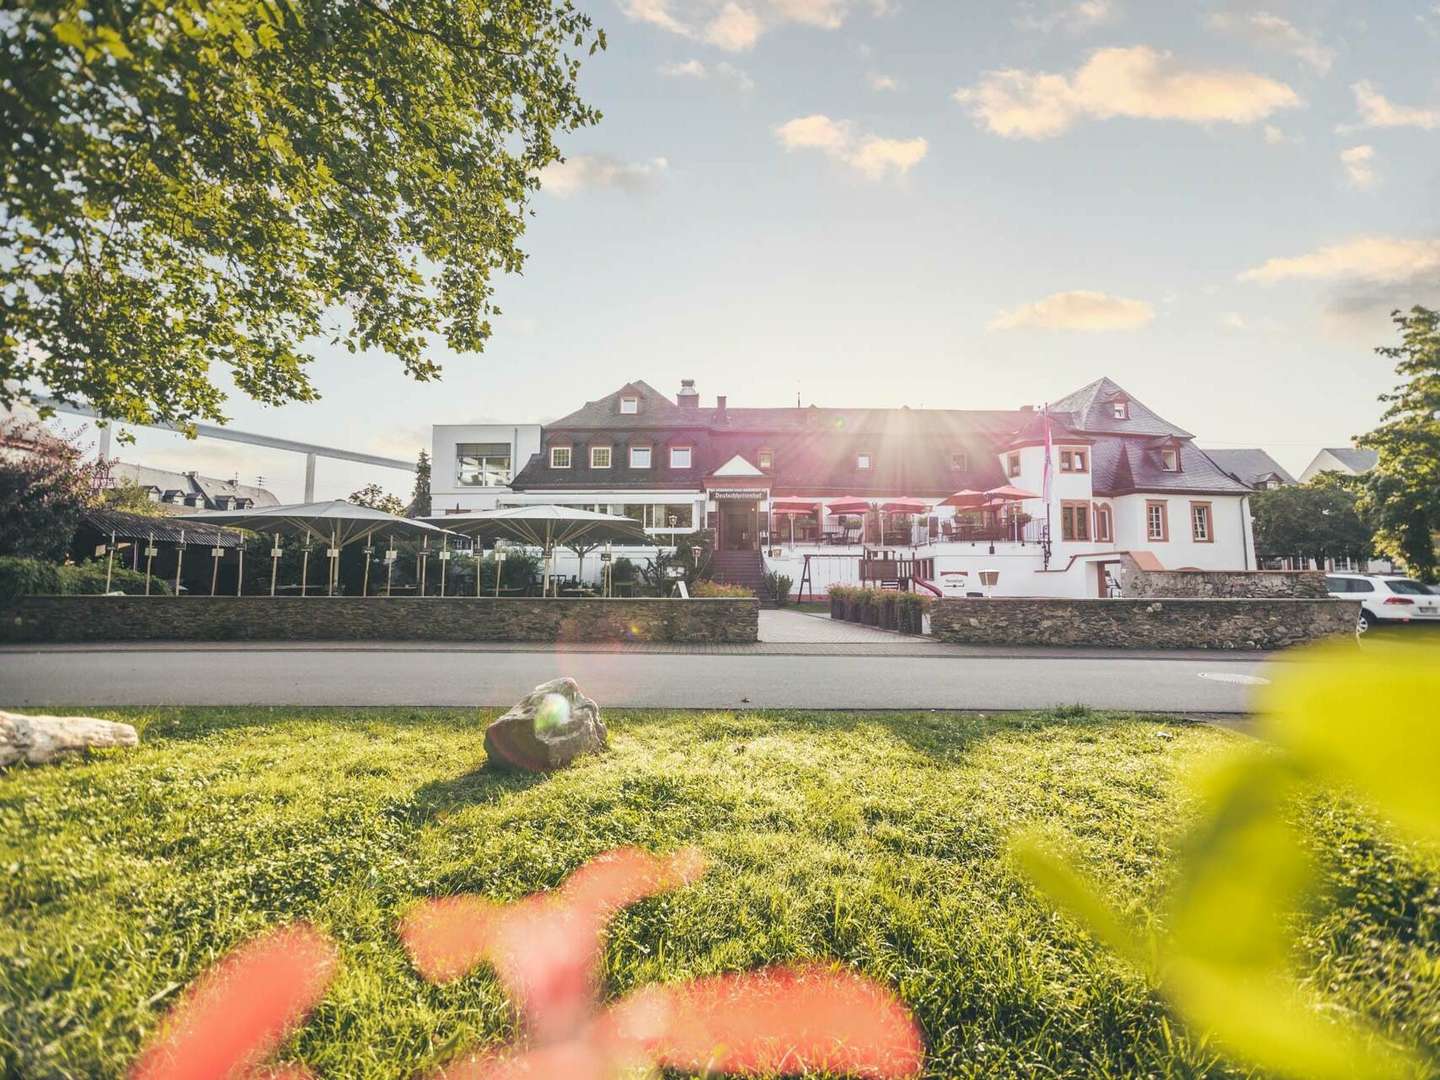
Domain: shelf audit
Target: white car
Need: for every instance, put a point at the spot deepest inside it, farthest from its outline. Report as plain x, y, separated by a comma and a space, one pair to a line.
1386, 598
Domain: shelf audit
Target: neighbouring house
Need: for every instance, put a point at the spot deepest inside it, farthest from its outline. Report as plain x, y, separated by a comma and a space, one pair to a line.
1252, 467
1348, 460
777, 484
189, 492
471, 465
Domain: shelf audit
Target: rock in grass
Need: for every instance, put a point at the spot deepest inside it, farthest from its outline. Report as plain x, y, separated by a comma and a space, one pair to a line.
37, 740
548, 729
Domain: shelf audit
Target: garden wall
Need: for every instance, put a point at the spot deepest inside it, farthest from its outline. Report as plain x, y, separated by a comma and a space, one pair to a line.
1142, 624
1150, 584
351, 618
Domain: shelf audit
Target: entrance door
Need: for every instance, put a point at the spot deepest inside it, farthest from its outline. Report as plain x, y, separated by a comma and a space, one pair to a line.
739, 525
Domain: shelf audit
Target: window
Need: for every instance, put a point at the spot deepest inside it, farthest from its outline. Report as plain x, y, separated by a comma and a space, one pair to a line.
960, 461
1202, 528
680, 457
1406, 587
1012, 465
1075, 521
629, 405
599, 457
1157, 522
639, 457
1074, 461
482, 464
767, 459
1104, 527
1170, 460
679, 516
1122, 410
862, 461
560, 457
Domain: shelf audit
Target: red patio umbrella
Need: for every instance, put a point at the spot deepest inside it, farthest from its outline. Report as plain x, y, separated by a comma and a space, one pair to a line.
792, 508
966, 499
850, 506
1007, 491
905, 506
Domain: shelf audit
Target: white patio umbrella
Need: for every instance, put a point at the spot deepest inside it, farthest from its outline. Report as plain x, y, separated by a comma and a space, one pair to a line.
545, 527
336, 523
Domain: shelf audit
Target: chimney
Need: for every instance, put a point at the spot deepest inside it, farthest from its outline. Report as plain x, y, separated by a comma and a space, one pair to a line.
1027, 408
687, 398
720, 415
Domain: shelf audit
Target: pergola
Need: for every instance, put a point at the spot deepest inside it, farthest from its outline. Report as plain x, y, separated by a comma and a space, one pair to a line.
545, 527
335, 523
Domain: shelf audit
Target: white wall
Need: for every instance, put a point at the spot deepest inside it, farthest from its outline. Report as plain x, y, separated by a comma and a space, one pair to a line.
446, 493
1232, 548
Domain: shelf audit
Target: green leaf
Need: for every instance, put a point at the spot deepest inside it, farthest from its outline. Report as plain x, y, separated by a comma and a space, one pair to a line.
70, 33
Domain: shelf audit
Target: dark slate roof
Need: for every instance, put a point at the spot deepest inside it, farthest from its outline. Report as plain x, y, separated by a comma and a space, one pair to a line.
1250, 466
1093, 411
1352, 457
1125, 466
166, 530
655, 411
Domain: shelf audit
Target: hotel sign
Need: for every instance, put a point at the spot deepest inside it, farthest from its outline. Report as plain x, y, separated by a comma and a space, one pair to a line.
738, 493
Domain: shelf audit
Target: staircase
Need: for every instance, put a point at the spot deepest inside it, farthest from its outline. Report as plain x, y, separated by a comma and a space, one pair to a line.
745, 568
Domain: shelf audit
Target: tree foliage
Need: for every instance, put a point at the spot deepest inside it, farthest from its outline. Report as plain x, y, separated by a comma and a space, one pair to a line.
216, 184
377, 498
42, 494
1319, 520
130, 498
1402, 492
420, 495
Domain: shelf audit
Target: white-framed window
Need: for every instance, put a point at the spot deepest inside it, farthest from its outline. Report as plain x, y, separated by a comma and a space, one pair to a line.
560, 457
862, 461
1201, 526
767, 459
639, 457
600, 457
1170, 460
1157, 522
1012, 465
629, 405
959, 461
1122, 410
680, 457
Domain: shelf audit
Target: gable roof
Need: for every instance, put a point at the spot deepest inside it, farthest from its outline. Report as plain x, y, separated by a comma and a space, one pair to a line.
1092, 409
1352, 457
1250, 466
655, 411
1130, 466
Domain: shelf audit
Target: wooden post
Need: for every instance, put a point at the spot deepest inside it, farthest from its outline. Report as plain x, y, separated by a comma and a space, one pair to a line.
149, 560
389, 565
179, 558
274, 562
240, 573
110, 559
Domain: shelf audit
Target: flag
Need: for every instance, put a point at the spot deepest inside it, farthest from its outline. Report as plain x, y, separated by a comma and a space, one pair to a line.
1049, 447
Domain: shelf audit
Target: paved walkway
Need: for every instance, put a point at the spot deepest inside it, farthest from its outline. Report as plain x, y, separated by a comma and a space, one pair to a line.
803, 627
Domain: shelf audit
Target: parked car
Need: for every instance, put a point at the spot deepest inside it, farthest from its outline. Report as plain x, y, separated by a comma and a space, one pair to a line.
1386, 598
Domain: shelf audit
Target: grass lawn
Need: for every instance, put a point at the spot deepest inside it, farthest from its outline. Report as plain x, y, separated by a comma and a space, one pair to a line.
878, 840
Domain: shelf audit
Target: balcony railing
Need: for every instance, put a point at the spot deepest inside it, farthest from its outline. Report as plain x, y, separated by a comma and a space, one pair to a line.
994, 532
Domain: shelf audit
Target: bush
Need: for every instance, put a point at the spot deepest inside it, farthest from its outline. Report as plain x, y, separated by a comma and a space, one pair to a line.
712, 589
910, 609
35, 577
778, 586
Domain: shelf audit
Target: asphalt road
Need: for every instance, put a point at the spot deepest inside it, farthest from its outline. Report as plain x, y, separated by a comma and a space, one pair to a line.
766, 676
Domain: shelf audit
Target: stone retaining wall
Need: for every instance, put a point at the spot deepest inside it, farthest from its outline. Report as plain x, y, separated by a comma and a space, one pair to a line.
1176, 584
351, 618
1142, 624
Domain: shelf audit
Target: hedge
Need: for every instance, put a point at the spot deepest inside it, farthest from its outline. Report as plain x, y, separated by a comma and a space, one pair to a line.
35, 577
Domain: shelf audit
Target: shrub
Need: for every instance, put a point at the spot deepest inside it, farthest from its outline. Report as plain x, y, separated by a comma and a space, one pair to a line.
839, 600
778, 586
27, 577
712, 589
35, 577
910, 609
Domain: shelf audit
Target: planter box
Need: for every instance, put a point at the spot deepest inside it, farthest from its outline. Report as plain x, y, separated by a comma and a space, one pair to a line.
854, 611
888, 616
870, 615
837, 607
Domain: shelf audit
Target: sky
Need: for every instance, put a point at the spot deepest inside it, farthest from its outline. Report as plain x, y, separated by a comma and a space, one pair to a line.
949, 204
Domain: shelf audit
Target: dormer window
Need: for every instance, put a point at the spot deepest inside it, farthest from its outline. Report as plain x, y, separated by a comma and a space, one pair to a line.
960, 461
1170, 460
1012, 465
640, 457
1074, 461
680, 457
600, 457
629, 405
1122, 410
862, 461
560, 457
766, 459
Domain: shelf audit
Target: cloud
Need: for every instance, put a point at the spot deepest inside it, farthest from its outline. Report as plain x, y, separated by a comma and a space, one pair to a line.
1359, 167
1137, 82
696, 69
1233, 320
588, 172
881, 82
1080, 310
1377, 111
736, 25
1076, 17
871, 155
1277, 137
1273, 32
1380, 260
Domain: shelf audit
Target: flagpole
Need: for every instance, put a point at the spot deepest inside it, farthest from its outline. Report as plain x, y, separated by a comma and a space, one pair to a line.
1048, 481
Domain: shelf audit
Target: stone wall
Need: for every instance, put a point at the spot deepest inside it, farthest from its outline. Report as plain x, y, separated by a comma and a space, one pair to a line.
351, 618
1142, 624
1235, 584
